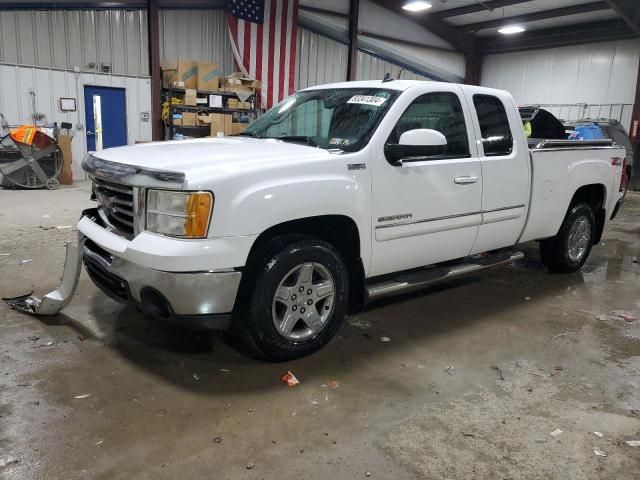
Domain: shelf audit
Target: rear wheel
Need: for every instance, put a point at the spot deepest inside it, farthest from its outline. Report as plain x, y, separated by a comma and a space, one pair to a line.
296, 298
570, 248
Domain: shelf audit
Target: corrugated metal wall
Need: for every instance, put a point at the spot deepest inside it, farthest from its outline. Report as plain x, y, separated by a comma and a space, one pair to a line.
371, 67
76, 38
50, 84
602, 74
319, 60
198, 35
323, 60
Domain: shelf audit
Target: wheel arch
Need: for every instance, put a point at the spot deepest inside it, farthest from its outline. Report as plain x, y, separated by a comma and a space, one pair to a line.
341, 231
594, 195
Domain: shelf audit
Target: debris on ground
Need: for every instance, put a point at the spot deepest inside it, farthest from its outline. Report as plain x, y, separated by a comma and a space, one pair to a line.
34, 338
633, 443
470, 435
99, 443
217, 440
250, 465
385, 339
290, 379
367, 474
5, 462
598, 434
64, 227
527, 299
359, 323
225, 370
196, 377
25, 261
45, 227
635, 413
84, 395
333, 384
449, 370
600, 453
618, 315
498, 371
4, 254
556, 432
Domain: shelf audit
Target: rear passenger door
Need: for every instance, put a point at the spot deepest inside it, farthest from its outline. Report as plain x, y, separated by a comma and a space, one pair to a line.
506, 175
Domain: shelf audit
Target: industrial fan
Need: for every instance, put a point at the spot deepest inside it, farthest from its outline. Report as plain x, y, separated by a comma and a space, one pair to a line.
29, 158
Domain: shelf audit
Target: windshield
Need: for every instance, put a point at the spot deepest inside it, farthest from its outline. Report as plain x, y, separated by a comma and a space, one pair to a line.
334, 118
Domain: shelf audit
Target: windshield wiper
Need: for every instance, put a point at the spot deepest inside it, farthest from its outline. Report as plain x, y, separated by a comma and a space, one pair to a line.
297, 138
248, 133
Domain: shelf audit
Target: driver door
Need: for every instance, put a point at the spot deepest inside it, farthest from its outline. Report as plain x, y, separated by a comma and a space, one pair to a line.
428, 209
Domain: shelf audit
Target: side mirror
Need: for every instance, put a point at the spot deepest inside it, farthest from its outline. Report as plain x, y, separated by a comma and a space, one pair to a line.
416, 144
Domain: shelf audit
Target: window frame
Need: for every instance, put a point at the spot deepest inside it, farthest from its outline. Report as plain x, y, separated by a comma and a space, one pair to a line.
432, 158
482, 140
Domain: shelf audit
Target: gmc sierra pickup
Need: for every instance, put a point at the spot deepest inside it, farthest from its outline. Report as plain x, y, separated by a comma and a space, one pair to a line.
339, 195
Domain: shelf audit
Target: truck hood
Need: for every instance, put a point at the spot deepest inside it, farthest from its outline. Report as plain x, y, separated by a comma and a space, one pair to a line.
209, 156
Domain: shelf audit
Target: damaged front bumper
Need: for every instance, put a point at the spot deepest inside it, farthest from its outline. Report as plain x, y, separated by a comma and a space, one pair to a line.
202, 299
55, 301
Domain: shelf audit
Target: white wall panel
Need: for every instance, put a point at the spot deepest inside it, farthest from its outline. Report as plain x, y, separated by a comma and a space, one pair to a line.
319, 60
76, 38
198, 35
602, 76
51, 84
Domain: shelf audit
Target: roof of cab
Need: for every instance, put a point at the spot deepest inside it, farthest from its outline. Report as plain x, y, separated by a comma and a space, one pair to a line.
400, 85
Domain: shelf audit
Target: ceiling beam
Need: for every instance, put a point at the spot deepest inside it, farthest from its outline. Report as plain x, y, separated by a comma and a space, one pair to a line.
461, 41
478, 7
627, 10
566, 35
533, 17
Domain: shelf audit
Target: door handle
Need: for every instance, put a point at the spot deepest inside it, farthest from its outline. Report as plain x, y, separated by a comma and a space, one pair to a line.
465, 180
89, 132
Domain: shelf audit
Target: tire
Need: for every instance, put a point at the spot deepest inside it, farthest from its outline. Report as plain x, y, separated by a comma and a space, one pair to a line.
277, 319
570, 248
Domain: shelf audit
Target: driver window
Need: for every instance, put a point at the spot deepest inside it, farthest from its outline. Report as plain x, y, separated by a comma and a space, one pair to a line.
436, 111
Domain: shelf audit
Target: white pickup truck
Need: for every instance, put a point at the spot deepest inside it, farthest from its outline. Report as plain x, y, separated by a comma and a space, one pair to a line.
340, 195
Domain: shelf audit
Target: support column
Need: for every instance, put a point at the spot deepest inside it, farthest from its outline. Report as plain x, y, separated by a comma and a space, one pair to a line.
352, 64
473, 70
153, 29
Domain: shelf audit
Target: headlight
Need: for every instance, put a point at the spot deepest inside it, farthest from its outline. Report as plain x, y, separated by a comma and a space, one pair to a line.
179, 214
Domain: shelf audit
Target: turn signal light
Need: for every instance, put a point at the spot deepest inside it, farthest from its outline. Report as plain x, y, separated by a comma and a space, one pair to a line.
198, 213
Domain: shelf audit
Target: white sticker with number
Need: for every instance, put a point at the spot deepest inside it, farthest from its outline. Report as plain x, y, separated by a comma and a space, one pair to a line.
367, 100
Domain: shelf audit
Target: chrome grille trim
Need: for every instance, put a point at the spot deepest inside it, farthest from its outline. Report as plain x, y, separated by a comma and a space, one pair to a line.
116, 205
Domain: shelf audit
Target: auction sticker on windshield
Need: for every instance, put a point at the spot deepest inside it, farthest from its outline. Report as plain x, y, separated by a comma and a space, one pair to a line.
367, 100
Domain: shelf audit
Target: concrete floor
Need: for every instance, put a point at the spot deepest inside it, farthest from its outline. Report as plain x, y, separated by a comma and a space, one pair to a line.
476, 376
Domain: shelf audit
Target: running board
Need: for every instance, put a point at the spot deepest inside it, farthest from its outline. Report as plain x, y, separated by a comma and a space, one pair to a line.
417, 279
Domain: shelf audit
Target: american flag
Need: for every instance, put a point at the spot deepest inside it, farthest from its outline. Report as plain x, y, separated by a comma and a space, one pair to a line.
264, 37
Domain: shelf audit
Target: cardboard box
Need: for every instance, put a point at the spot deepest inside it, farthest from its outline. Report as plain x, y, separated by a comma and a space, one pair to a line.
66, 174
179, 72
237, 104
189, 118
208, 76
221, 124
240, 84
237, 128
190, 97
204, 119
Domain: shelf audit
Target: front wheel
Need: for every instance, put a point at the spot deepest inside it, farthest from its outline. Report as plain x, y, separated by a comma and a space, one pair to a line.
570, 248
297, 298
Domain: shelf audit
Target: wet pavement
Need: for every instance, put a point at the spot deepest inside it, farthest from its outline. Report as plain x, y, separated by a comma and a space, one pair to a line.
477, 374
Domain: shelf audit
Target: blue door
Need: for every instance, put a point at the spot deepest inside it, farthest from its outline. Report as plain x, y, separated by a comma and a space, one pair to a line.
105, 117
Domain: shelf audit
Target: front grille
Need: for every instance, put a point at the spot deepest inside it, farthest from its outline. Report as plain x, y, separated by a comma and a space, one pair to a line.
116, 203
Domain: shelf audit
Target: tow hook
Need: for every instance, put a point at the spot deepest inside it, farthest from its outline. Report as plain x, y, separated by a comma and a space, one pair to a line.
58, 299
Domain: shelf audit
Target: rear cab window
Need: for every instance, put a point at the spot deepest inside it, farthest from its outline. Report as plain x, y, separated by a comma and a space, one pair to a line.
497, 139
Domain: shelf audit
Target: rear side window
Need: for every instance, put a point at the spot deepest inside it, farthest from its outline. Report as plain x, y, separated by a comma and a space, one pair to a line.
494, 125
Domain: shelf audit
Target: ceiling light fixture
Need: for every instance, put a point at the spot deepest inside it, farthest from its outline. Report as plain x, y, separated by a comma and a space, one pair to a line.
511, 29
417, 6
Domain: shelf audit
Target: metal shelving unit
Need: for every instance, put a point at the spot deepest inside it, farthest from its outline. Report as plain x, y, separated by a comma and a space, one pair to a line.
201, 130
